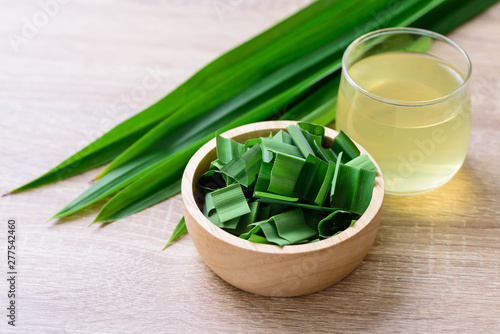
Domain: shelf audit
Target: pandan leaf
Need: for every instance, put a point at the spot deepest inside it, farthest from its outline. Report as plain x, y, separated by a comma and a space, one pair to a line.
228, 149
311, 178
230, 203
281, 198
252, 142
244, 168
284, 175
256, 228
148, 187
179, 230
326, 185
257, 238
325, 153
282, 137
95, 154
342, 143
264, 177
245, 222
312, 47
362, 161
313, 129
271, 233
320, 104
208, 205
336, 222
353, 189
281, 148
288, 203
288, 67
335, 176
300, 140
291, 226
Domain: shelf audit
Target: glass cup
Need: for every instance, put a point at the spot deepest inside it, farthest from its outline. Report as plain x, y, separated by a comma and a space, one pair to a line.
404, 96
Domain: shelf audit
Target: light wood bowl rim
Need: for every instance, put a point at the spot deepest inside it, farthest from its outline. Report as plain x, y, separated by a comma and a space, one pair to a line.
187, 188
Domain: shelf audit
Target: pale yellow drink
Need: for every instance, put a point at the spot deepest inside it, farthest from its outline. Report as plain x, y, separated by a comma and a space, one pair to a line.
406, 111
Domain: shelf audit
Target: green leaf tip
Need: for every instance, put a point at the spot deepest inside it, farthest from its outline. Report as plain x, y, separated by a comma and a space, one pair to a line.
179, 230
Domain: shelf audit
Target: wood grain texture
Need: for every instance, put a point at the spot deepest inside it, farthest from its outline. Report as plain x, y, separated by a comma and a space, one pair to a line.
434, 266
270, 270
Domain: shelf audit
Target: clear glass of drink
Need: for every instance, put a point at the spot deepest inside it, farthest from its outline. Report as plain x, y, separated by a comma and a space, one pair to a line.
405, 97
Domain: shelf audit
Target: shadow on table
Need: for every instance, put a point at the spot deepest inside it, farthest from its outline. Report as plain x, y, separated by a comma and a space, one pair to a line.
87, 214
469, 194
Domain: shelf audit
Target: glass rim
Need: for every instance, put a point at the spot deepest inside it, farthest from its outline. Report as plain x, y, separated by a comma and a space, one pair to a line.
415, 31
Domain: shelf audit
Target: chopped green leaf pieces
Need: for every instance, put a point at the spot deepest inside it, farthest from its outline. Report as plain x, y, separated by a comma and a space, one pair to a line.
313, 129
284, 175
280, 147
362, 161
227, 149
229, 202
275, 190
300, 140
311, 178
352, 192
244, 168
335, 222
271, 233
292, 226
342, 143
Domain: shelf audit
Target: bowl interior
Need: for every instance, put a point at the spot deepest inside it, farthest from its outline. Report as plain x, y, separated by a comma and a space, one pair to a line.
200, 163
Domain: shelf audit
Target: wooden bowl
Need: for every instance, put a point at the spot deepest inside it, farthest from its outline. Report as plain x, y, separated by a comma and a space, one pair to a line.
267, 269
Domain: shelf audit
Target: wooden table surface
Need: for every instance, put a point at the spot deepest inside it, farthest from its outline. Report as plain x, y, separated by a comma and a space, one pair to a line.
434, 266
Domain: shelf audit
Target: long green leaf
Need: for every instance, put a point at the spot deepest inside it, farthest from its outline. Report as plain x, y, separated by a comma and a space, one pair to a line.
181, 136
109, 214
94, 155
149, 186
209, 78
319, 105
182, 143
106, 186
318, 60
215, 77
318, 112
450, 14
